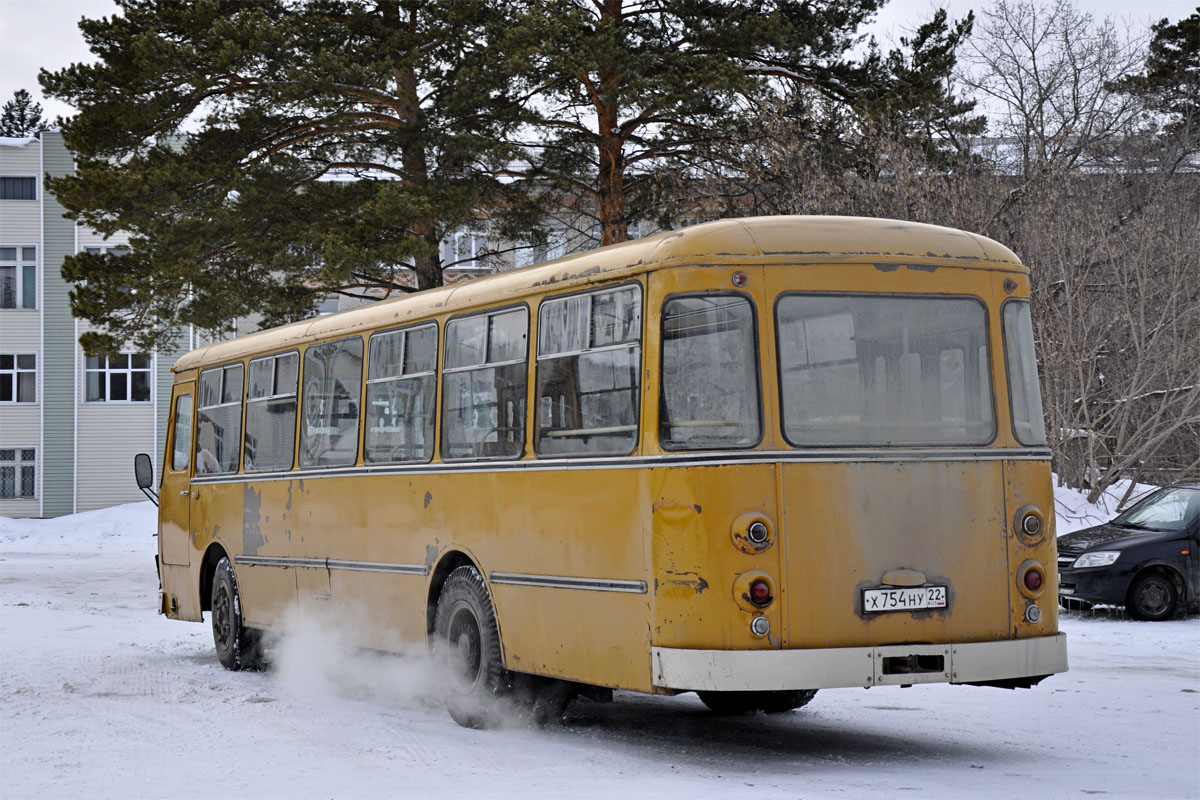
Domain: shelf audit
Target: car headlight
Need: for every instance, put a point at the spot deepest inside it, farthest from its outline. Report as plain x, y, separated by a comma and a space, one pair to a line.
1101, 558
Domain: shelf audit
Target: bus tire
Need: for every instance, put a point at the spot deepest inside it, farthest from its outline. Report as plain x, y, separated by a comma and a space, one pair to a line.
238, 647
736, 703
467, 647
1152, 597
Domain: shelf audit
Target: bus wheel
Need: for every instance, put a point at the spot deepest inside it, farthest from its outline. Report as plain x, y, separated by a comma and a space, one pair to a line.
1152, 597
238, 647
733, 703
467, 644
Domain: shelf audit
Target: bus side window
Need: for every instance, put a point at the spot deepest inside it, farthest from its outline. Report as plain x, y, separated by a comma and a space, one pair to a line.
483, 385
219, 421
709, 396
401, 373
271, 413
181, 451
589, 355
332, 386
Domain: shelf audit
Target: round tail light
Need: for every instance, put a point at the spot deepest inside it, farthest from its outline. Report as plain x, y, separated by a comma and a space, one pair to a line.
1032, 525
757, 532
760, 592
1033, 580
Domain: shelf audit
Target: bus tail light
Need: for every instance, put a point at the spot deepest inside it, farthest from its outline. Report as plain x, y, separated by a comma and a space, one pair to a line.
760, 626
1030, 524
1031, 579
760, 592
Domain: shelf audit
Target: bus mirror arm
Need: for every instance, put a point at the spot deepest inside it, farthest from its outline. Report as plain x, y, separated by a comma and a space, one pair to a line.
143, 471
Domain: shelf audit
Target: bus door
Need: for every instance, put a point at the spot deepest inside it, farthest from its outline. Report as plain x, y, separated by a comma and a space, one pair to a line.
174, 512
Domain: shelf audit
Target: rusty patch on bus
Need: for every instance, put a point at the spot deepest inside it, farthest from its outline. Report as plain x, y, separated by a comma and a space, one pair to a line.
252, 535
698, 584
570, 276
428, 499
887, 266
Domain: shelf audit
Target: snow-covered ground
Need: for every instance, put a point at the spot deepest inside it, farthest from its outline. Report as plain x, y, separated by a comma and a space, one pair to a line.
102, 697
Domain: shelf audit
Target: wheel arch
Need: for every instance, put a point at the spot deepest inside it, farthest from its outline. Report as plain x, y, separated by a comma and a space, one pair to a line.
1167, 570
208, 571
450, 561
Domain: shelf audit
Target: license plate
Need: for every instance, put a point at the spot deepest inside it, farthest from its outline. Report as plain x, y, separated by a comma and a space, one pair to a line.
877, 600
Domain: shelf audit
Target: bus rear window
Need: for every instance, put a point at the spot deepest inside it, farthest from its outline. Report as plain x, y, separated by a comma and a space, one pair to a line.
709, 374
1028, 423
884, 370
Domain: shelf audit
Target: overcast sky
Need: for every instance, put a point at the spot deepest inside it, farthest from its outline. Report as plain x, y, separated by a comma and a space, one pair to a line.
45, 33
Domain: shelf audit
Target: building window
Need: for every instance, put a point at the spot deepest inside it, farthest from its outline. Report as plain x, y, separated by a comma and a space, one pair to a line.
18, 187
18, 276
18, 378
18, 472
118, 379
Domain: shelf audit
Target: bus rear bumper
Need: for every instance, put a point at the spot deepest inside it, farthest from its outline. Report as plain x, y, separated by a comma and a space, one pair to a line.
1004, 663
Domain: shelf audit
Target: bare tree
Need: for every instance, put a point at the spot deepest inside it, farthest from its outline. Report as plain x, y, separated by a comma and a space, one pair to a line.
1046, 73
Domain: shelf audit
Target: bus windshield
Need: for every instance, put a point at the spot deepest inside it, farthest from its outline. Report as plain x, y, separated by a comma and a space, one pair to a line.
884, 370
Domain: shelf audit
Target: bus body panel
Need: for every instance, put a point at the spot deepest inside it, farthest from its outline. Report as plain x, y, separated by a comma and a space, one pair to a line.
848, 524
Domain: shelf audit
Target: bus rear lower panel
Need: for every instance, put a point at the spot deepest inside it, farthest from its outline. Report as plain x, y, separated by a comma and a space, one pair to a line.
1009, 663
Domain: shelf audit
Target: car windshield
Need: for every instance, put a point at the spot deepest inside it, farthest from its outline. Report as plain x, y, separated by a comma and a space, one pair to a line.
1168, 509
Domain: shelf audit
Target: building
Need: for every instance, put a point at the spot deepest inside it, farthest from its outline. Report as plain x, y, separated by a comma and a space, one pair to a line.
70, 424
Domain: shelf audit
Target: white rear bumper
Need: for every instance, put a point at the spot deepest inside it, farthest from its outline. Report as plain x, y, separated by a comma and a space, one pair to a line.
893, 665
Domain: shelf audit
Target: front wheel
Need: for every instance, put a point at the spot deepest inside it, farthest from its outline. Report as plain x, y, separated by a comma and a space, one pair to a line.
467, 643
1152, 597
735, 703
238, 647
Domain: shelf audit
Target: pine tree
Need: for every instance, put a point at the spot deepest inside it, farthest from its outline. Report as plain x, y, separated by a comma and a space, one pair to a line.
1171, 80
264, 154
21, 116
625, 88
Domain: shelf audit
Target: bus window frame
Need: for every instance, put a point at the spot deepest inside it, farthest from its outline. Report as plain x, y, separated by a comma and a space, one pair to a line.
641, 346
1008, 386
301, 410
988, 347
435, 373
246, 409
758, 371
196, 409
173, 432
442, 373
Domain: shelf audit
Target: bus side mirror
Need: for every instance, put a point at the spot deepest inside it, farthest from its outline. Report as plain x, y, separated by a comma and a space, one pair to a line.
143, 471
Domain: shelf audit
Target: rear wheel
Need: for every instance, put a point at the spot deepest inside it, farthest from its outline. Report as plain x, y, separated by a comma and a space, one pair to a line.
478, 690
238, 647
473, 678
1152, 597
734, 703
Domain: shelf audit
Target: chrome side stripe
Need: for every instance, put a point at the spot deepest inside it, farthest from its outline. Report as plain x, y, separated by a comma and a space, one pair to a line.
559, 582
331, 563
700, 459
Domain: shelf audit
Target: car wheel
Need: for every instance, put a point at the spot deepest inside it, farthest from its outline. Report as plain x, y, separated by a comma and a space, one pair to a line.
1152, 597
467, 644
238, 647
736, 703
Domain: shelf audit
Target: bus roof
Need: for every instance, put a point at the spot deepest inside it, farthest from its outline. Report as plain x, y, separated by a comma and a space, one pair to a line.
779, 239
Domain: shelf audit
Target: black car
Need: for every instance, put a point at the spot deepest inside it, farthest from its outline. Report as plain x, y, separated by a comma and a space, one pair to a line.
1147, 559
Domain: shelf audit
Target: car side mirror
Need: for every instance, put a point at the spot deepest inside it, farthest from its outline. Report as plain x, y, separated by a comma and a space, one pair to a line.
143, 472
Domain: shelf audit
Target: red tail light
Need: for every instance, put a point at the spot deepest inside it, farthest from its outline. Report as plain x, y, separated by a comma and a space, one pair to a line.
760, 592
1033, 580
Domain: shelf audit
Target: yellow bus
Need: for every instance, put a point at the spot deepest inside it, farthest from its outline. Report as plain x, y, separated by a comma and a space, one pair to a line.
752, 459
